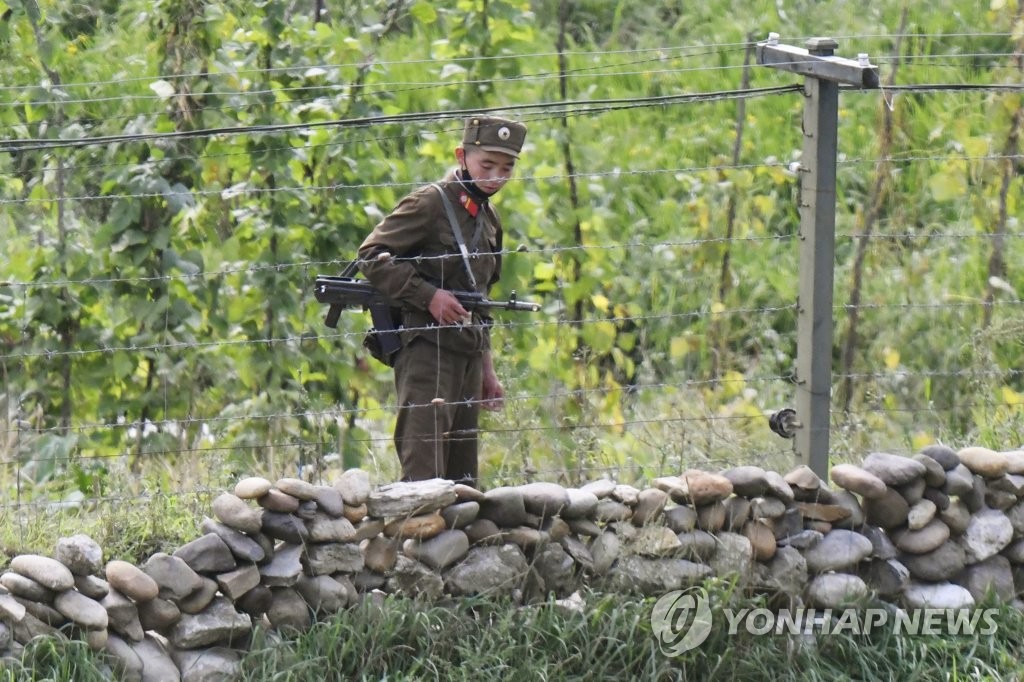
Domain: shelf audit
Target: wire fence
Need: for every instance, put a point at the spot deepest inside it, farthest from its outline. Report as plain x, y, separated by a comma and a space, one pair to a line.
669, 408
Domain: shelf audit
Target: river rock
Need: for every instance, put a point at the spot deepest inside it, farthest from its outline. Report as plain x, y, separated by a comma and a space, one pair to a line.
325, 528
173, 575
984, 462
653, 576
132, 581
440, 551
411, 578
324, 594
747, 481
921, 514
762, 540
893, 470
48, 572
157, 665
888, 511
157, 614
767, 508
857, 480
956, 516
232, 511
26, 588
218, 623
288, 610
626, 494
243, 547
988, 532
331, 557
461, 514
286, 527
934, 474
81, 610
581, 504
937, 596
233, 584
605, 550
922, 541
944, 455
252, 488
650, 505
380, 554
409, 498
80, 553
421, 527
600, 488
993, 575
704, 488
92, 586
123, 616
543, 499
354, 486
832, 590
207, 554
297, 488
838, 550
199, 598
491, 571
279, 501
887, 577
284, 569
213, 663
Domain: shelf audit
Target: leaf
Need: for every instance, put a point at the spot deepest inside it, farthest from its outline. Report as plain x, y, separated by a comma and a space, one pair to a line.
1011, 397
452, 69
948, 185
163, 88
423, 12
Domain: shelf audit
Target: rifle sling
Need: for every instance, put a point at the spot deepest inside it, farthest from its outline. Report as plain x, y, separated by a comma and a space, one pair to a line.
453, 221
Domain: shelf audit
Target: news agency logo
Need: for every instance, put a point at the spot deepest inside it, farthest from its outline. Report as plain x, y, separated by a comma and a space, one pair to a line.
681, 620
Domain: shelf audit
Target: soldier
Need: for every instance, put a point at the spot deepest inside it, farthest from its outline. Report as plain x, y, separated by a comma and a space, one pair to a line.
443, 237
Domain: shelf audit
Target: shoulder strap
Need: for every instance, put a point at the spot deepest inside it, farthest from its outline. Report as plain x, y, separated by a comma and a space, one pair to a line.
458, 234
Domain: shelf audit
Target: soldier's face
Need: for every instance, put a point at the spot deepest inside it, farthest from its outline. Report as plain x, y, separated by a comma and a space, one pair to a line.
490, 170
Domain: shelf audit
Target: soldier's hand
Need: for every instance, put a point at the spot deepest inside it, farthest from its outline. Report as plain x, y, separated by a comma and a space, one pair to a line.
446, 309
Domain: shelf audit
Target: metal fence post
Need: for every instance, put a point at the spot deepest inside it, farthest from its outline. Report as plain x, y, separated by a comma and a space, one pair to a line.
824, 72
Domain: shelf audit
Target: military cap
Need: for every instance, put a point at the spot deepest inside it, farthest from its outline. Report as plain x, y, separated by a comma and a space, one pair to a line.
494, 134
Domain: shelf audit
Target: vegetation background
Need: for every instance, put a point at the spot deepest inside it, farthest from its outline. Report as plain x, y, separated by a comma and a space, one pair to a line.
176, 172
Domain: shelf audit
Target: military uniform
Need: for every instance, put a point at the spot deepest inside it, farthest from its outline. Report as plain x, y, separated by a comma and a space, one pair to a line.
438, 371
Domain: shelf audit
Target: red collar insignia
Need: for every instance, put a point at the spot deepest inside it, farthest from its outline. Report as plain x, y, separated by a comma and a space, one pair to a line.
468, 203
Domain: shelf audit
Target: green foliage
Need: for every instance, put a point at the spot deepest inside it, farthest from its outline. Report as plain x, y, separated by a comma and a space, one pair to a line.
158, 294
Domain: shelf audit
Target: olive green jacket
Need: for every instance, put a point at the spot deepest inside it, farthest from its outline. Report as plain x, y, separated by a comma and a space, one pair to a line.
425, 256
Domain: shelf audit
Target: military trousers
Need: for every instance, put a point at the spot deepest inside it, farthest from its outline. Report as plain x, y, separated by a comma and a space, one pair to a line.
438, 412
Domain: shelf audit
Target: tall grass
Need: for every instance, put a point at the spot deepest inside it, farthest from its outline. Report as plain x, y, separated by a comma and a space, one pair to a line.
610, 638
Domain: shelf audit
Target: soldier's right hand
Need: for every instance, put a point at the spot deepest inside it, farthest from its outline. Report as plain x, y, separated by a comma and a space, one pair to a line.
446, 309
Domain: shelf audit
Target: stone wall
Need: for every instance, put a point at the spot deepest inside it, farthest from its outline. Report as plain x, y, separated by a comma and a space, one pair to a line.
939, 529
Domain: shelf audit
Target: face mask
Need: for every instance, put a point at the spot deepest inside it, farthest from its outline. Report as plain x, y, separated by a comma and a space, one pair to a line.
467, 181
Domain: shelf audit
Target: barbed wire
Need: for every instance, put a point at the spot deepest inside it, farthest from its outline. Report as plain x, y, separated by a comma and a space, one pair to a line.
200, 346
552, 110
547, 109
389, 88
318, 450
310, 337
339, 413
473, 59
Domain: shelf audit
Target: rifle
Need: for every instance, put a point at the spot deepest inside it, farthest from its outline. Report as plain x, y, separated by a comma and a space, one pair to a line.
348, 292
